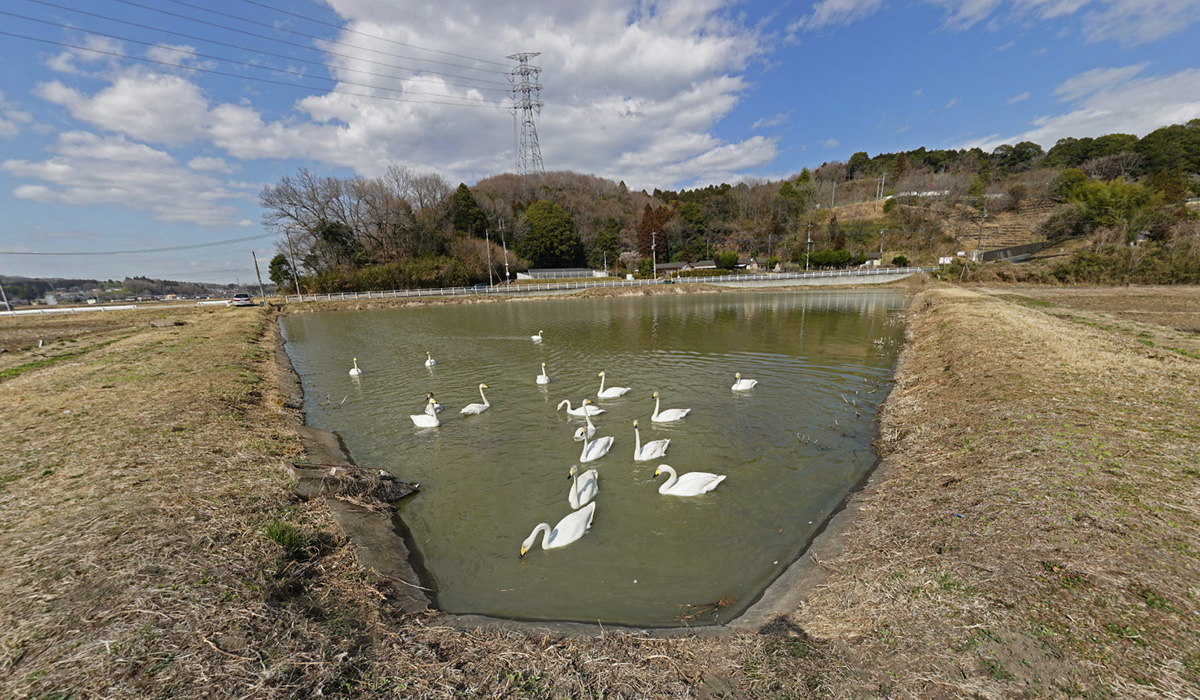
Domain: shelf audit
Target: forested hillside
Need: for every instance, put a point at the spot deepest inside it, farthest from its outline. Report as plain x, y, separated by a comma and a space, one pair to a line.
409, 229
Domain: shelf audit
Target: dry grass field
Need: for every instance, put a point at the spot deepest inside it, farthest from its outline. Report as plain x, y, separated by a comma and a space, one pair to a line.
1032, 531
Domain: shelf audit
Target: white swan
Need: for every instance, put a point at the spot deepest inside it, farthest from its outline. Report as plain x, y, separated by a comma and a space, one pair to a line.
690, 484
596, 449
588, 431
477, 407
740, 384
611, 392
585, 408
651, 450
428, 419
536, 338
543, 378
432, 406
565, 532
356, 371
583, 487
669, 415
429, 362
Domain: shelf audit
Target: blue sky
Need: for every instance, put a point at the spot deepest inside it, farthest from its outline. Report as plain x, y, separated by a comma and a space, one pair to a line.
152, 125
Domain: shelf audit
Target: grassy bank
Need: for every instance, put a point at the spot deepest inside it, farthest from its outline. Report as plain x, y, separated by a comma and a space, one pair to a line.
1031, 532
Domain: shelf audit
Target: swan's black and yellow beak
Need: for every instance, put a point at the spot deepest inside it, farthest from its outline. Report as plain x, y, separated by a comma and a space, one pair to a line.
522, 554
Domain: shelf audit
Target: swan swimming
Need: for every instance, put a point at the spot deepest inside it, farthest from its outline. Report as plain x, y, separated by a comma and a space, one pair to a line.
543, 378
477, 407
669, 415
565, 532
740, 384
356, 371
583, 487
429, 362
690, 484
432, 406
651, 450
611, 392
536, 338
596, 449
584, 408
588, 431
428, 419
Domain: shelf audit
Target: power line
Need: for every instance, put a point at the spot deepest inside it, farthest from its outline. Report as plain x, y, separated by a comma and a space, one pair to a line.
285, 71
146, 250
238, 47
478, 103
444, 24
252, 34
355, 31
281, 29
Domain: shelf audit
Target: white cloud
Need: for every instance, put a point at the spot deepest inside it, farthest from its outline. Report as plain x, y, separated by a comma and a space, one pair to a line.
1019, 98
953, 102
12, 118
88, 169
650, 83
834, 12
830, 143
772, 121
145, 105
211, 165
1134, 22
1129, 22
1096, 80
1124, 106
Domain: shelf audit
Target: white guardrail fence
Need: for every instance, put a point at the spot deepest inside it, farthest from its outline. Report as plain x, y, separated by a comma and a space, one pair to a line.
504, 289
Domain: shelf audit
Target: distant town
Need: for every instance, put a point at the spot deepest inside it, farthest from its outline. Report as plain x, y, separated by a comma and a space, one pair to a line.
16, 292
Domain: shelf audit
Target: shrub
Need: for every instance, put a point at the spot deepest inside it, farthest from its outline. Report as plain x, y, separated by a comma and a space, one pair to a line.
900, 261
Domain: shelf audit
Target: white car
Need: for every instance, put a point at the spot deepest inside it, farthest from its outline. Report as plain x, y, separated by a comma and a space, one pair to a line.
243, 299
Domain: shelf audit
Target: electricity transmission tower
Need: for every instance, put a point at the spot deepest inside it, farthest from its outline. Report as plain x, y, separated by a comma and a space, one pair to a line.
526, 90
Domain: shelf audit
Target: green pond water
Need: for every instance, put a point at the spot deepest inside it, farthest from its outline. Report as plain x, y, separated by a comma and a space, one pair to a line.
791, 448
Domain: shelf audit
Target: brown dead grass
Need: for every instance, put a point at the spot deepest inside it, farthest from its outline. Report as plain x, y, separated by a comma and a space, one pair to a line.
1032, 533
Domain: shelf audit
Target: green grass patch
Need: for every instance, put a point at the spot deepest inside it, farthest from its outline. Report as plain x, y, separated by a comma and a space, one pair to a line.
50, 361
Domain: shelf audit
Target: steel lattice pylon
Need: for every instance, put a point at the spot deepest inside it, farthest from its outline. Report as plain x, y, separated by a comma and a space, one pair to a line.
525, 91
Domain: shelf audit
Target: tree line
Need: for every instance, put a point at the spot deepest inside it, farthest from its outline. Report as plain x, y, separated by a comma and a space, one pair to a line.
409, 229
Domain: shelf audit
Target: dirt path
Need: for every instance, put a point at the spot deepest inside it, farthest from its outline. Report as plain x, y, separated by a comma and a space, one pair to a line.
1033, 532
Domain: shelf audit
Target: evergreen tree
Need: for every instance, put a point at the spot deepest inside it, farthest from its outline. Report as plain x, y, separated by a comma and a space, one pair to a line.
465, 213
551, 240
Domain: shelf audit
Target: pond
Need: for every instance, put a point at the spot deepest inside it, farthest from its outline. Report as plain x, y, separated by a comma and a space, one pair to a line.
791, 448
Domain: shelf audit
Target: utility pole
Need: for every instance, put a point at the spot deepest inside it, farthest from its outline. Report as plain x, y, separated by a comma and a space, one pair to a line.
488, 238
295, 270
505, 246
979, 238
833, 196
525, 93
653, 255
261, 293
808, 248
879, 183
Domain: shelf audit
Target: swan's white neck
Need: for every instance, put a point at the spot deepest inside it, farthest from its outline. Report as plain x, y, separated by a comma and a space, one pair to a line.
671, 478
542, 528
